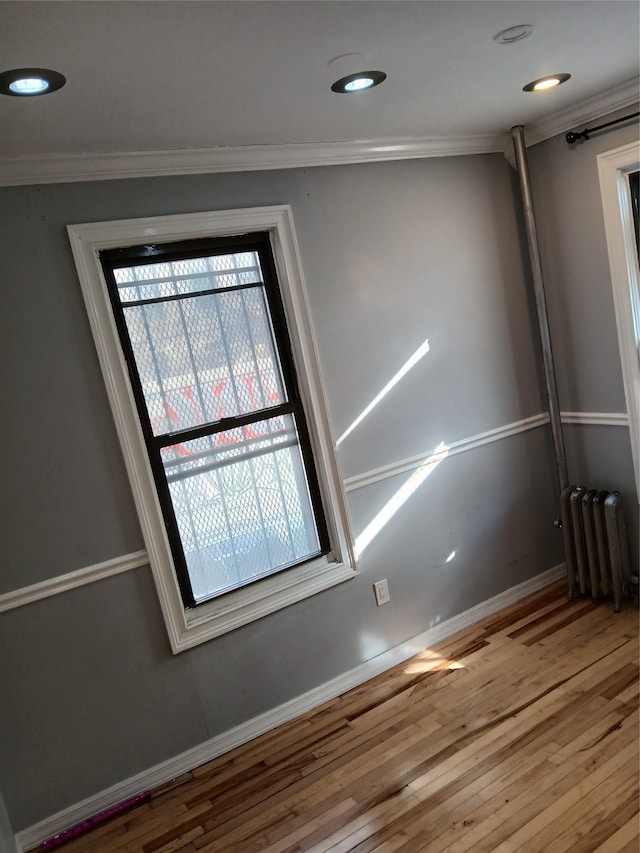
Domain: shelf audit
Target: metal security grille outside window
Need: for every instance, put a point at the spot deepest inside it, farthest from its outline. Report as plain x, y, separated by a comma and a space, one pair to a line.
205, 343
203, 332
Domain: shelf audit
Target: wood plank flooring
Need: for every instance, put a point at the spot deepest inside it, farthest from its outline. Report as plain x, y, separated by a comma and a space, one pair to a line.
518, 734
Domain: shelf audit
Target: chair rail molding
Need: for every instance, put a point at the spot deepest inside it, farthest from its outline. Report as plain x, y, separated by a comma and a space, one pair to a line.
72, 580
127, 562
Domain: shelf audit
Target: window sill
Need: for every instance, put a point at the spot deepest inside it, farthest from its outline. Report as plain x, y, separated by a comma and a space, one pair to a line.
252, 602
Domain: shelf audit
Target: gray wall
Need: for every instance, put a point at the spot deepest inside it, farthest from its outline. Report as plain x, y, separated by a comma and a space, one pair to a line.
392, 254
7, 841
567, 200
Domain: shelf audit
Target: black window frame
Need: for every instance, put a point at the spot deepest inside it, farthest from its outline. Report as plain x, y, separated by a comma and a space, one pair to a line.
634, 189
259, 242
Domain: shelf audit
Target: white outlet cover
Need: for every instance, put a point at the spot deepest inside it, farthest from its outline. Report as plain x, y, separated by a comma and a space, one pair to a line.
381, 590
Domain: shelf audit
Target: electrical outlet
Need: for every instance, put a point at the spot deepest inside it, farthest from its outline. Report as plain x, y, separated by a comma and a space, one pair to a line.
381, 590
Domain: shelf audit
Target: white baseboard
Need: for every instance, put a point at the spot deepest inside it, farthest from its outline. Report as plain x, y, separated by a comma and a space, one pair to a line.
216, 746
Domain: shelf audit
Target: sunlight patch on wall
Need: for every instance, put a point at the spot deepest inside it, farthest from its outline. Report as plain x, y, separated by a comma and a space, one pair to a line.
422, 350
397, 501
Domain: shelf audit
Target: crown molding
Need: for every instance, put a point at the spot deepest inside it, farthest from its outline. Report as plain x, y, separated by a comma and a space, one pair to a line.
616, 98
66, 168
16, 171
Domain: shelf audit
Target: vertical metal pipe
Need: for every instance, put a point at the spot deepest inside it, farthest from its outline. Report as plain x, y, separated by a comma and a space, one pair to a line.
520, 151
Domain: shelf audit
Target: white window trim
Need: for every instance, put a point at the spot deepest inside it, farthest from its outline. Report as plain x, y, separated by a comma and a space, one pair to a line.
188, 627
613, 169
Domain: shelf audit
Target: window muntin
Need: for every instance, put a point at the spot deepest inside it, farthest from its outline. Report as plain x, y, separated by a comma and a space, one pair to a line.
209, 359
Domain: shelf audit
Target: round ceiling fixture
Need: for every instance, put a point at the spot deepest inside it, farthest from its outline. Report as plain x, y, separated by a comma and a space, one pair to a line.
359, 82
29, 82
544, 83
513, 34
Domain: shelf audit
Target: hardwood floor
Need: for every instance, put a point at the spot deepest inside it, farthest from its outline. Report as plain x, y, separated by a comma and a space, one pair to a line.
518, 734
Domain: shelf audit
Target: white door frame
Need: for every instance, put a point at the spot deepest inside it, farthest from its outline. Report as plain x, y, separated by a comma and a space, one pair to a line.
614, 168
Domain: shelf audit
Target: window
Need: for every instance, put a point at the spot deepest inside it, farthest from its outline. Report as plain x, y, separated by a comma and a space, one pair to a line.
616, 169
203, 335
202, 329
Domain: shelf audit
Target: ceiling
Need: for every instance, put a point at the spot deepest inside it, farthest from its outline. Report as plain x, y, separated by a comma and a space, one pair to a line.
175, 75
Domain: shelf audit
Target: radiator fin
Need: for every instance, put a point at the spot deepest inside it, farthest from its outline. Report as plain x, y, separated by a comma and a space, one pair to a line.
595, 543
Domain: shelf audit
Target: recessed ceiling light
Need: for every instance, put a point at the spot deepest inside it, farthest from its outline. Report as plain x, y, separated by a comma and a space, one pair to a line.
543, 83
359, 82
513, 34
29, 82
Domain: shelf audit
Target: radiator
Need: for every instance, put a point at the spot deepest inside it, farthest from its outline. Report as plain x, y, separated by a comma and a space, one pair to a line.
595, 543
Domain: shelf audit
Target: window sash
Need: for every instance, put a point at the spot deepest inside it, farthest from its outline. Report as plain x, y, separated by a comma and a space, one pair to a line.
135, 257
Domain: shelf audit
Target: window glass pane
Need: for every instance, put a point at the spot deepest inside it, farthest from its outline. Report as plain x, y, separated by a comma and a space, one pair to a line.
203, 358
242, 504
168, 278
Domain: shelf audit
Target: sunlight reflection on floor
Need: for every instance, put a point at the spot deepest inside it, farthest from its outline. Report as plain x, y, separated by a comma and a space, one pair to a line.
429, 661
